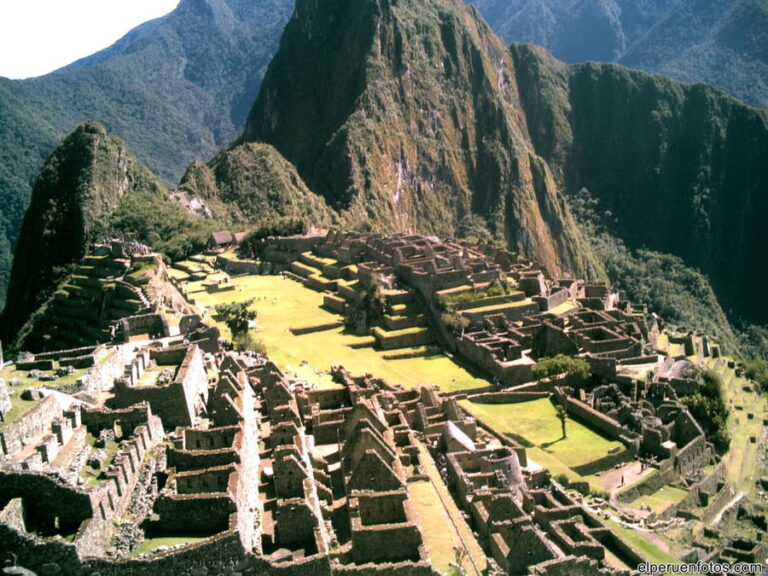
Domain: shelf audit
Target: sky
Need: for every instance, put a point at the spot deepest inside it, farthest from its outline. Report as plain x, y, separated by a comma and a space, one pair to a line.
39, 36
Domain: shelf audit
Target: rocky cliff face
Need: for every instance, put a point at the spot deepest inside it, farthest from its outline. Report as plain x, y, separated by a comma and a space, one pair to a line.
405, 115
409, 115
681, 168
83, 183
721, 43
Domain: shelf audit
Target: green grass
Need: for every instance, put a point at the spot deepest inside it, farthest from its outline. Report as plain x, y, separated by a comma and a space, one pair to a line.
536, 421
150, 544
20, 407
742, 457
283, 304
498, 307
650, 551
660, 500
438, 532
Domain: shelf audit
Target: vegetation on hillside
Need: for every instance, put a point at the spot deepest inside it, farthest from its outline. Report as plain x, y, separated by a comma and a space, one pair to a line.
176, 89
709, 410
680, 168
252, 183
757, 370
90, 187
679, 294
410, 122
721, 43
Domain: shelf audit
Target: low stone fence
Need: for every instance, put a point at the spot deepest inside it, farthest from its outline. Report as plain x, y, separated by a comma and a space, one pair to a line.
606, 462
594, 418
507, 397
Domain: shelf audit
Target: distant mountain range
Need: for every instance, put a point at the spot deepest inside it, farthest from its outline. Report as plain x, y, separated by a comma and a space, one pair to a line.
404, 115
723, 43
176, 89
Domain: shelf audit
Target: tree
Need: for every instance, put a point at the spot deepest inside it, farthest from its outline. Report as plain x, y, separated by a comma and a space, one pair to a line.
237, 316
708, 408
562, 415
455, 322
246, 341
757, 370
561, 364
374, 304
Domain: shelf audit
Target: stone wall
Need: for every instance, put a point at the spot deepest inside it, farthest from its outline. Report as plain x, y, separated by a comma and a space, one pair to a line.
391, 341
59, 355
109, 365
168, 402
97, 419
606, 462
171, 356
285, 250
507, 397
234, 266
392, 569
386, 542
46, 502
31, 427
178, 403
199, 459
5, 398
221, 555
194, 513
151, 324
593, 418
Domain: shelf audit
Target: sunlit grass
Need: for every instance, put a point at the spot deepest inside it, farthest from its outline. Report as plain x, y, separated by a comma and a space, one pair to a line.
283, 304
537, 422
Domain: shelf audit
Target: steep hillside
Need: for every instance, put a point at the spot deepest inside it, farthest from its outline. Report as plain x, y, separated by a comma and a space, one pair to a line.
405, 116
253, 184
176, 89
721, 43
681, 169
90, 187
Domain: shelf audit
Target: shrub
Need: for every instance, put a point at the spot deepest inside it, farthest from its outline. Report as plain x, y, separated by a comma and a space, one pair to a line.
561, 364
455, 322
236, 316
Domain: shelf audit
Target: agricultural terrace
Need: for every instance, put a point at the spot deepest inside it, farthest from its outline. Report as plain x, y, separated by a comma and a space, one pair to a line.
747, 411
284, 305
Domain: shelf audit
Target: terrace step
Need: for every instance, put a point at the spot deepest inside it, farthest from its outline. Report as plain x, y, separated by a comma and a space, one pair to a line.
395, 297
408, 338
301, 330
402, 322
321, 283
368, 342
314, 261
409, 309
513, 311
418, 352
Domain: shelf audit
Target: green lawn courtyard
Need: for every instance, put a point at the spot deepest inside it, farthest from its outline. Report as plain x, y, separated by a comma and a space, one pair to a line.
536, 423
660, 500
283, 304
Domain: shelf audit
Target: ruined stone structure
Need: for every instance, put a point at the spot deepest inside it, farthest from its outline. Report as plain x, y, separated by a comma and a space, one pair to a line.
260, 473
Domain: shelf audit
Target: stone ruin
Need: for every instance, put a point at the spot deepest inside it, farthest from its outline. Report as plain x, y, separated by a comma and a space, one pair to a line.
270, 475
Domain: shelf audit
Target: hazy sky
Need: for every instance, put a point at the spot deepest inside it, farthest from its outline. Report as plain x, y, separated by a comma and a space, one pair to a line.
39, 36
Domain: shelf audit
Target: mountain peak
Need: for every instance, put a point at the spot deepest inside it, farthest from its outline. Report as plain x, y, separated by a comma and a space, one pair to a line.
405, 114
80, 186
